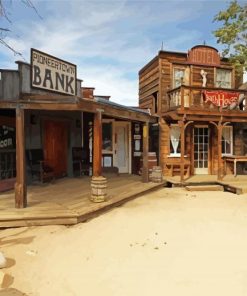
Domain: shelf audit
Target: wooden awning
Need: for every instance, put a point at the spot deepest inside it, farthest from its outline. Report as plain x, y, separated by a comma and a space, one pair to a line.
56, 102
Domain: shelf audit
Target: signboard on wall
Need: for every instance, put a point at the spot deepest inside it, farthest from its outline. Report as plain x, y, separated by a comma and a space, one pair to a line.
52, 74
7, 137
203, 55
221, 98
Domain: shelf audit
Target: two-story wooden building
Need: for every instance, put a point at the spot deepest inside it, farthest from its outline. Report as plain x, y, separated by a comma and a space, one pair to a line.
203, 114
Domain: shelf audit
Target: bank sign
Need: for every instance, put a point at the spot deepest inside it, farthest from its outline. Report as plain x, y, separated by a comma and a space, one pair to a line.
52, 74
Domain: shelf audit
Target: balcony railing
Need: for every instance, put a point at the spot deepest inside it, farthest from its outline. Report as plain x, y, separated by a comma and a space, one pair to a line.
193, 97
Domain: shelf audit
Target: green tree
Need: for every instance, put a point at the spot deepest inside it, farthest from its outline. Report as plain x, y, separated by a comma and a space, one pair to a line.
233, 34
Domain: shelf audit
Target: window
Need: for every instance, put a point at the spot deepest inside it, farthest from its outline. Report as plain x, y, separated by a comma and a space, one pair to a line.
178, 77
226, 141
223, 78
107, 137
175, 140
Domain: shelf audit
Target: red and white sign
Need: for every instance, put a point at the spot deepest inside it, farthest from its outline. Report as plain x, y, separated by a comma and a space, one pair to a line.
221, 98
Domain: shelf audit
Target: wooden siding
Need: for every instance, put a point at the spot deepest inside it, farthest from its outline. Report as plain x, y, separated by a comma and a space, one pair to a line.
148, 85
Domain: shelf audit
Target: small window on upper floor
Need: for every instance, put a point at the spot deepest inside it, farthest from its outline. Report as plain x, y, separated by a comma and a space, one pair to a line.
178, 77
223, 78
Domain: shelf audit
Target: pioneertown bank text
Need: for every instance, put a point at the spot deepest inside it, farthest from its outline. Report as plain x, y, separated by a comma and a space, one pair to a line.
52, 74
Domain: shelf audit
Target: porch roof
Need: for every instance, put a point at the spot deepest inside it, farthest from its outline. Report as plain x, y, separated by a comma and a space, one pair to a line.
56, 102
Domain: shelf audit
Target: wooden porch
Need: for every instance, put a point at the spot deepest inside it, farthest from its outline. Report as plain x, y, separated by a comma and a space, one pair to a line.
67, 201
230, 183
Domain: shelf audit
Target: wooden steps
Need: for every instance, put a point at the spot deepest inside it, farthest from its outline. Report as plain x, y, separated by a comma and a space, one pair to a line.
205, 188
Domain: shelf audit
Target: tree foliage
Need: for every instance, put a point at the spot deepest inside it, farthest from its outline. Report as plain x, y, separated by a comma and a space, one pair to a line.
233, 33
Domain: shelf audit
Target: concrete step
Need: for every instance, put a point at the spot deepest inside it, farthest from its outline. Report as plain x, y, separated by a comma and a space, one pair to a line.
205, 188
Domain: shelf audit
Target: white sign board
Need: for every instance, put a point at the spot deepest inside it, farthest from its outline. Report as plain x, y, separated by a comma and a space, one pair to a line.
52, 74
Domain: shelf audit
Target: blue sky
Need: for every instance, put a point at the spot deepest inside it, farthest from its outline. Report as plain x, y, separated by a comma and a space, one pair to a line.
109, 41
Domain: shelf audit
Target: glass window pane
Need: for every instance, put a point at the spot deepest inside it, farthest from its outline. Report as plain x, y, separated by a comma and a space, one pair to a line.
178, 77
107, 136
223, 78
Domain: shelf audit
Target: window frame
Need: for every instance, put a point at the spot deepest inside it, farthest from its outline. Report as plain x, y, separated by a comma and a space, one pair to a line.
170, 142
175, 68
112, 123
231, 141
230, 80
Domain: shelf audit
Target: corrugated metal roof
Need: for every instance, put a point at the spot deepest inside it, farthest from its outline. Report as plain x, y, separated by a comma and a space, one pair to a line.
110, 103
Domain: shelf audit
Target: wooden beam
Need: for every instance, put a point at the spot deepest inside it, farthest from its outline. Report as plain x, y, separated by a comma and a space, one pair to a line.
182, 127
97, 144
220, 173
145, 172
20, 185
85, 105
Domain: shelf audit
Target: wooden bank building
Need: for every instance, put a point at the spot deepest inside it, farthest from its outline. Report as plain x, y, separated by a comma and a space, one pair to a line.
51, 127
202, 112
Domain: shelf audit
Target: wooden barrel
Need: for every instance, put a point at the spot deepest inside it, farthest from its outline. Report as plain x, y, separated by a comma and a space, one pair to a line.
98, 189
157, 176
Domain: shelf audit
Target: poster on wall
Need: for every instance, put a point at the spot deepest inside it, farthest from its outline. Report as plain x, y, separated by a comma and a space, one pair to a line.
7, 137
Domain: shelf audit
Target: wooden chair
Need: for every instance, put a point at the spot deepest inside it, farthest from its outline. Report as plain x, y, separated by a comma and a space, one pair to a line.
38, 166
80, 161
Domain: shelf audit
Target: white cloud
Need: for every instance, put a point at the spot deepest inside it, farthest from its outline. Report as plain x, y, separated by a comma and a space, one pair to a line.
106, 39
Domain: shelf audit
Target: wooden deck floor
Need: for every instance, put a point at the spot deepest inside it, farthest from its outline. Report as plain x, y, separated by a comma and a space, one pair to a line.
67, 201
236, 184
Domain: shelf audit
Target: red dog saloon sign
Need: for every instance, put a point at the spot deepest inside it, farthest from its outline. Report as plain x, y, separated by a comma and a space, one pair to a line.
221, 98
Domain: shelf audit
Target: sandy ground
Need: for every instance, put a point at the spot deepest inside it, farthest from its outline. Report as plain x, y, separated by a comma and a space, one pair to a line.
171, 242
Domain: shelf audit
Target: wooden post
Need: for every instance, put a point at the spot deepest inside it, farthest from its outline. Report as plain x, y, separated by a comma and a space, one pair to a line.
219, 176
20, 185
182, 151
98, 182
145, 170
97, 144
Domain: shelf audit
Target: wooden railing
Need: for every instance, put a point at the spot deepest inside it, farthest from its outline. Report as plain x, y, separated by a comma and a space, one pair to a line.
192, 97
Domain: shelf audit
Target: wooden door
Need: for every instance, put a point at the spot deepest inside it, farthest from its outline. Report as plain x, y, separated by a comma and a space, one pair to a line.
56, 146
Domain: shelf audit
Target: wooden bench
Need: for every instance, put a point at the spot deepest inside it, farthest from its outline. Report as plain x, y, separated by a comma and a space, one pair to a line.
174, 166
234, 159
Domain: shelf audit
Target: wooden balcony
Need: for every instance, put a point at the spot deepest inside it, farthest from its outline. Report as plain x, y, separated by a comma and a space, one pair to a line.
193, 98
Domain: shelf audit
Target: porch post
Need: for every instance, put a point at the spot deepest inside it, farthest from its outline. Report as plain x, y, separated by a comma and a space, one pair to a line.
182, 151
97, 144
145, 171
98, 182
20, 185
219, 176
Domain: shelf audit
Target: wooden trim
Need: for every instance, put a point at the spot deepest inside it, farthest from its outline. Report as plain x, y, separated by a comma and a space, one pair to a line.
83, 105
219, 175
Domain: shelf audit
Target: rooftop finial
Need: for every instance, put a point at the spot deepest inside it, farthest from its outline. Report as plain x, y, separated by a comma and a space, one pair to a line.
162, 46
204, 42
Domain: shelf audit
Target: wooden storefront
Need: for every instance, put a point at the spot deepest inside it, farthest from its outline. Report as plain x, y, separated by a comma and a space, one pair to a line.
64, 128
202, 112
